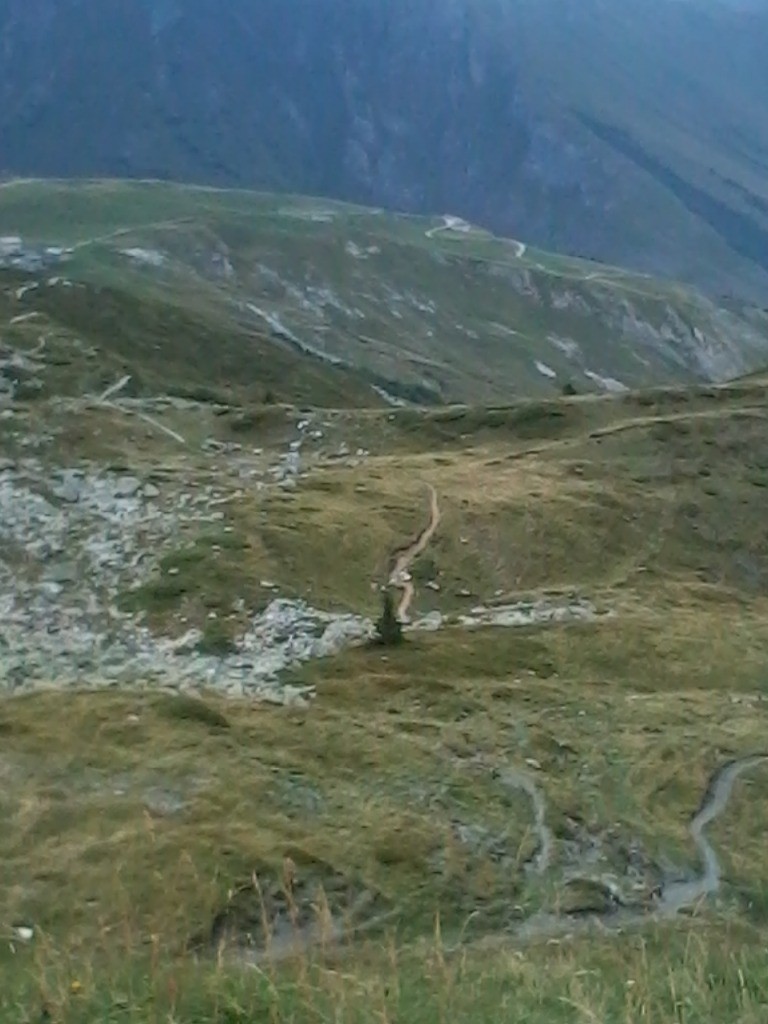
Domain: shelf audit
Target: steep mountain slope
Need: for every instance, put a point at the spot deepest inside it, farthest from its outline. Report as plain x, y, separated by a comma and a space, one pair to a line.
260, 297
586, 669
553, 787
635, 133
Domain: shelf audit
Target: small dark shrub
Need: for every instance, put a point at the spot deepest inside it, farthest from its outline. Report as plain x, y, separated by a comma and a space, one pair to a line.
192, 709
424, 569
389, 629
215, 640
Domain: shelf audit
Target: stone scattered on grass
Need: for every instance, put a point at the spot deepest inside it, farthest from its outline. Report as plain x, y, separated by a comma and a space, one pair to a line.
74, 541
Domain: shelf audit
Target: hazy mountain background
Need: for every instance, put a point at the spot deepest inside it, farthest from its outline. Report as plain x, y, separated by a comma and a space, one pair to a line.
633, 132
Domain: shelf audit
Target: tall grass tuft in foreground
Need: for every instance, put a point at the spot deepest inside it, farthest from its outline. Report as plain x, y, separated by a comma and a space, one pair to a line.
714, 973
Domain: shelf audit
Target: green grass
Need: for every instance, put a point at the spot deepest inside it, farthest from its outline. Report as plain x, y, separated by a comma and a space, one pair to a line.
170, 342
132, 821
621, 721
711, 975
214, 579
192, 709
430, 319
652, 491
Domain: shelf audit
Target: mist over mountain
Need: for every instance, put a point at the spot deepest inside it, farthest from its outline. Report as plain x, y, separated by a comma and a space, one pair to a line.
635, 133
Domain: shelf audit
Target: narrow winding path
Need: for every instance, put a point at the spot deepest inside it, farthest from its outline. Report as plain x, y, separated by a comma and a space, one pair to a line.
121, 232
399, 577
674, 897
679, 895
513, 778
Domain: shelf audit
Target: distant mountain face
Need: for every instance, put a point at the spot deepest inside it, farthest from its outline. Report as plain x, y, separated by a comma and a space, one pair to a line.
630, 132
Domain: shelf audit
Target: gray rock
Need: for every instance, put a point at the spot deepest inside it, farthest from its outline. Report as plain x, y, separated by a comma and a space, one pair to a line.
50, 589
212, 445
70, 489
164, 802
429, 623
6, 465
63, 572
531, 613
340, 634
127, 487
150, 491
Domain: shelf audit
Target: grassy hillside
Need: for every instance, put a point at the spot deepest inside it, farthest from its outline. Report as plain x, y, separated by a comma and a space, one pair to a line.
220, 803
157, 845
332, 304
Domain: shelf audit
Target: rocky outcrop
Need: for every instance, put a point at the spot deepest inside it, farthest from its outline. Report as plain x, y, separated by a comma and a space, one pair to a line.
71, 541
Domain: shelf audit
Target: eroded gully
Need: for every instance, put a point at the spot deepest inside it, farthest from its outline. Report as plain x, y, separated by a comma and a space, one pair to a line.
674, 896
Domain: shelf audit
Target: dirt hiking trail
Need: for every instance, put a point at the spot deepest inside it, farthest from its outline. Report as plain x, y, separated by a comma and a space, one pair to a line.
399, 577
